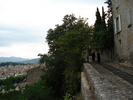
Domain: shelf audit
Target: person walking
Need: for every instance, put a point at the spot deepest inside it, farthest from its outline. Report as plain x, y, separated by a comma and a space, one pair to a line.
93, 56
98, 57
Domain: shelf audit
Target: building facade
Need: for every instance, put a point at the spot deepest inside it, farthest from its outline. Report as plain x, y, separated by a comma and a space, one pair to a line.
123, 29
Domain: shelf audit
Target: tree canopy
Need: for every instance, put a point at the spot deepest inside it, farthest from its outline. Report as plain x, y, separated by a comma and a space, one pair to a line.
103, 30
66, 44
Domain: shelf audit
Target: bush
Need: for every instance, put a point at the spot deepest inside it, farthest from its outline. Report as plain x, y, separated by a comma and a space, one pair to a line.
38, 91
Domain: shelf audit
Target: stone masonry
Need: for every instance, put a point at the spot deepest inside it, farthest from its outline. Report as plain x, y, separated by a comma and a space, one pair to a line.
95, 87
33, 75
123, 29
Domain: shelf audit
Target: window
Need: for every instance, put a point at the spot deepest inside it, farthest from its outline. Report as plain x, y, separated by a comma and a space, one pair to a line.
116, 3
129, 23
117, 24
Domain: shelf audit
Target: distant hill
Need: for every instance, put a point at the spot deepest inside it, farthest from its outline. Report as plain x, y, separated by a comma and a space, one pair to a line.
32, 61
19, 60
12, 59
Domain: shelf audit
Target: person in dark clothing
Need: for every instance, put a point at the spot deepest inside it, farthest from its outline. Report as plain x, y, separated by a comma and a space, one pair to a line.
98, 57
93, 56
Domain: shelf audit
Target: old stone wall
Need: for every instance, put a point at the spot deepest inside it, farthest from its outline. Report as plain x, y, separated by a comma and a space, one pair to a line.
33, 75
123, 39
95, 87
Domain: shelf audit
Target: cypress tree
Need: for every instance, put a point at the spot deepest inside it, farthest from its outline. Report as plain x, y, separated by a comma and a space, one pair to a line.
103, 34
100, 30
103, 18
98, 21
110, 31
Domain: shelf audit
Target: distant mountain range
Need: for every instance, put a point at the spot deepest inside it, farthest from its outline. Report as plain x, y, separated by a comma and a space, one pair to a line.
18, 59
32, 61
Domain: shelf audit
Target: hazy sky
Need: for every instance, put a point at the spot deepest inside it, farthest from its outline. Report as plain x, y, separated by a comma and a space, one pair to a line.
24, 23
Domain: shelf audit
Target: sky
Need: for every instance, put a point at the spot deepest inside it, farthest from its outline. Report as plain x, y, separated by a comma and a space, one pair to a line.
24, 23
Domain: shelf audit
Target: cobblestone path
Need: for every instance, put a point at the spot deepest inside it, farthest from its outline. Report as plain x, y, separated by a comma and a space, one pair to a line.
119, 76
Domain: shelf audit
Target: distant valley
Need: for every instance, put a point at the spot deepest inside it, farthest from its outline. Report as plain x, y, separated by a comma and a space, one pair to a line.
19, 60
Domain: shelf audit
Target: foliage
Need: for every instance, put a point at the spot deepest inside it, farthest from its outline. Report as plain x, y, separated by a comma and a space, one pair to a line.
68, 97
13, 79
38, 91
64, 61
9, 88
71, 81
8, 85
103, 34
35, 91
43, 59
53, 78
11, 95
110, 30
100, 31
10, 63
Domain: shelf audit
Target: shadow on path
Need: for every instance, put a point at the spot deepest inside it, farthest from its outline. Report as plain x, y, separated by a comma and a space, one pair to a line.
124, 75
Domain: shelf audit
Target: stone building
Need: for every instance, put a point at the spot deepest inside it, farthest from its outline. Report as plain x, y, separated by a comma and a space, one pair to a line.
123, 29
33, 75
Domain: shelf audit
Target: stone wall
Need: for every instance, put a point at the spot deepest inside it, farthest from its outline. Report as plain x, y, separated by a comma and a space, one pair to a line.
33, 75
95, 87
123, 39
107, 55
86, 88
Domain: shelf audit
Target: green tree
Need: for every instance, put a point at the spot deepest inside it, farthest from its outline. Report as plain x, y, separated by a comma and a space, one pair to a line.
110, 30
103, 31
103, 18
37, 91
8, 85
103, 34
98, 23
64, 61
100, 31
53, 35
